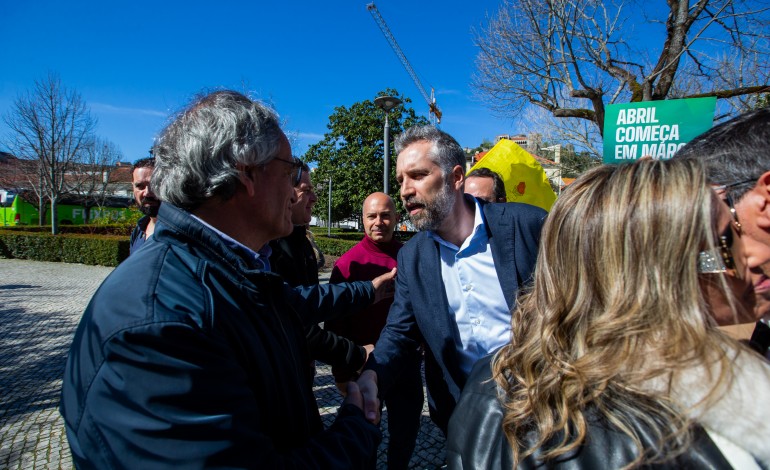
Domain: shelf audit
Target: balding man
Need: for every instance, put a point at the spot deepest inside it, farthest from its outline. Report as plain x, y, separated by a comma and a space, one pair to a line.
374, 255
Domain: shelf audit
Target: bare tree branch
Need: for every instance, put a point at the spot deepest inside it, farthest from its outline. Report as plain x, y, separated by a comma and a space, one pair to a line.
52, 125
574, 57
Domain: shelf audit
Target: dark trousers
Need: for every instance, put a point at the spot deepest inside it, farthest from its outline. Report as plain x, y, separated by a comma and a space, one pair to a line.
404, 407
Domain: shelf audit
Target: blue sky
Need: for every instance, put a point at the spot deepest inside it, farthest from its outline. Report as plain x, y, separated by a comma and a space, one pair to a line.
136, 62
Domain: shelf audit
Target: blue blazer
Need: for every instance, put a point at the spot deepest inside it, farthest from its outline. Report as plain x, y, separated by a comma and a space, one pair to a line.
420, 311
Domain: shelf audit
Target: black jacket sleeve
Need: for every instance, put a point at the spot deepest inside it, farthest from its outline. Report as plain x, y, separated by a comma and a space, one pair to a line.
340, 353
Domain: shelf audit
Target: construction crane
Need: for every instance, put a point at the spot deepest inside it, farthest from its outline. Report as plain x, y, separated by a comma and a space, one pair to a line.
435, 113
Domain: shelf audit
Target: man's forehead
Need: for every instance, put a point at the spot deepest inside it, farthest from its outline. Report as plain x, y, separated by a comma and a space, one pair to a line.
377, 210
479, 180
420, 150
142, 174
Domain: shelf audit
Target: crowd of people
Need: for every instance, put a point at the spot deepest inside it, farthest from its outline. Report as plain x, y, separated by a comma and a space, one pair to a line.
608, 333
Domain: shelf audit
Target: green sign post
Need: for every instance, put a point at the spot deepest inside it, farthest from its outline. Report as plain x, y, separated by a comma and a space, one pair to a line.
654, 128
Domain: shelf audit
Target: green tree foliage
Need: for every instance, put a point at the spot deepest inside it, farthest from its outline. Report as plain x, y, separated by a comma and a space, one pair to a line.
575, 164
485, 145
761, 101
351, 154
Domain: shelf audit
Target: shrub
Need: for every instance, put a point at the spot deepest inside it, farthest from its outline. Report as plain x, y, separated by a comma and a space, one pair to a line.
334, 246
120, 229
105, 250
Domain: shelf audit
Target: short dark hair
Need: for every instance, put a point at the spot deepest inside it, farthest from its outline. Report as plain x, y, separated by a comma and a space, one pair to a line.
498, 187
735, 151
148, 162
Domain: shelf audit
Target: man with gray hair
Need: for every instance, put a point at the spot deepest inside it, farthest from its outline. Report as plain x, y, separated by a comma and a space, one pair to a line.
457, 279
192, 354
736, 156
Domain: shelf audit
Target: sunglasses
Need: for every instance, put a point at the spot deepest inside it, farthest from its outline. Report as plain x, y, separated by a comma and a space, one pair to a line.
296, 164
728, 198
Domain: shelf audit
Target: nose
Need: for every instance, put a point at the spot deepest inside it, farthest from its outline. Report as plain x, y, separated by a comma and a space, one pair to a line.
406, 188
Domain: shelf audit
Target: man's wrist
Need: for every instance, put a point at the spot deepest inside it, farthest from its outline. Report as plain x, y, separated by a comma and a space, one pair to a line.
369, 374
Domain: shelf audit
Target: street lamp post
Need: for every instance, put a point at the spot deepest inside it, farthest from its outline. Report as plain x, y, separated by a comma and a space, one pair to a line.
386, 103
329, 220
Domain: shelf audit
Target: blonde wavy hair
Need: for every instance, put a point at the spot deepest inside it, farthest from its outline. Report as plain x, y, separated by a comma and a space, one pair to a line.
615, 308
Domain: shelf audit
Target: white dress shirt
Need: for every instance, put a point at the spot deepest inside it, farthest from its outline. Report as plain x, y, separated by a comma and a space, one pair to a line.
473, 292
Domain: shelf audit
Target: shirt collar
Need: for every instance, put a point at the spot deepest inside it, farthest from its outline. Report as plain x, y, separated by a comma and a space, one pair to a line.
258, 259
478, 236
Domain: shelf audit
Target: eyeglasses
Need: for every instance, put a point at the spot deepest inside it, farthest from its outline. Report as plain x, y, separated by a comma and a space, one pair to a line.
296, 164
728, 198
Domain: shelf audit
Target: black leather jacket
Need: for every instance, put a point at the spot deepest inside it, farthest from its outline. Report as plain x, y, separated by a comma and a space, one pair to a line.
190, 356
476, 440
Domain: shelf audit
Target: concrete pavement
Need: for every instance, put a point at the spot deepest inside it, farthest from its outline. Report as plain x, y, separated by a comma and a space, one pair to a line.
40, 306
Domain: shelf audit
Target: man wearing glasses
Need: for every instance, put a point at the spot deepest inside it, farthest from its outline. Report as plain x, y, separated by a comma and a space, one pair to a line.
293, 258
736, 156
192, 353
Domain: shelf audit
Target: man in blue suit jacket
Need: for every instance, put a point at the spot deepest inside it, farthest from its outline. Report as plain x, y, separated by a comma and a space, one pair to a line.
457, 280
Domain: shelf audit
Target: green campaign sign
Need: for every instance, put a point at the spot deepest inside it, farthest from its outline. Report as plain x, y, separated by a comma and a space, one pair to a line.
654, 128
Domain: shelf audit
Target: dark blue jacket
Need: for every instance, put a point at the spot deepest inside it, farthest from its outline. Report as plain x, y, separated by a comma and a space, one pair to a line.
189, 357
420, 311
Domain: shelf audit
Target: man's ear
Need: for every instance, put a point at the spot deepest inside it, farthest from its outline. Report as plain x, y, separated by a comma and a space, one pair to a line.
458, 177
760, 200
247, 175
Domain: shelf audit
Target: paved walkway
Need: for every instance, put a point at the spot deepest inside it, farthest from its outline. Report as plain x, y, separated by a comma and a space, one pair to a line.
40, 306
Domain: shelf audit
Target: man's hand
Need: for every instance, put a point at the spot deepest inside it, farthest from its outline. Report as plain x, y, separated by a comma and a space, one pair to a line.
353, 396
384, 286
367, 384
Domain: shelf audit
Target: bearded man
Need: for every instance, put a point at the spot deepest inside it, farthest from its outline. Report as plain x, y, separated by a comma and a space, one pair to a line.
148, 204
457, 279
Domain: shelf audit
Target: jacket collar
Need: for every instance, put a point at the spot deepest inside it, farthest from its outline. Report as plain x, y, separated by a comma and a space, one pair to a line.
175, 223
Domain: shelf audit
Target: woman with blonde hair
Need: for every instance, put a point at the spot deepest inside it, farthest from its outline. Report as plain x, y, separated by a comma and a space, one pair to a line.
616, 360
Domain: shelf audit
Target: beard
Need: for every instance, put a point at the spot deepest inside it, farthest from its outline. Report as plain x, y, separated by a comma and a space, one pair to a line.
434, 211
149, 209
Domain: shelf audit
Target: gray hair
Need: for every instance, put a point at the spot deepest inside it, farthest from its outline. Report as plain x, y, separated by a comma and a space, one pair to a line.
197, 155
445, 152
736, 151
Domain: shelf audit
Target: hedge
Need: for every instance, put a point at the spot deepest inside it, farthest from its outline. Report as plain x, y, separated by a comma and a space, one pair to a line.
334, 246
91, 229
105, 250
109, 245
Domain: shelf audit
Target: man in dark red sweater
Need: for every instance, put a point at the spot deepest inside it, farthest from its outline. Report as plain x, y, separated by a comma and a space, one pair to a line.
374, 255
